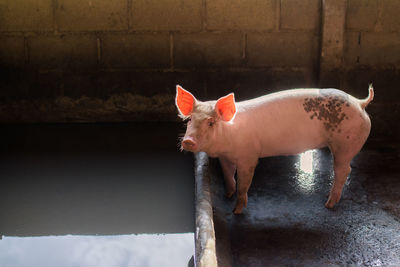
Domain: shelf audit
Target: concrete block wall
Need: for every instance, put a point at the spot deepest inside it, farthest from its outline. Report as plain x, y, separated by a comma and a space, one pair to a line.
373, 34
98, 60
372, 52
100, 50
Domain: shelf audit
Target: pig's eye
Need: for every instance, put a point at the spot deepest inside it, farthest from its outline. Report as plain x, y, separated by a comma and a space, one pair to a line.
211, 123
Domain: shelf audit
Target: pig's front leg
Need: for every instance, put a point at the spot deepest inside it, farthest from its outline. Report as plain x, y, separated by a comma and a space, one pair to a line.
229, 169
245, 176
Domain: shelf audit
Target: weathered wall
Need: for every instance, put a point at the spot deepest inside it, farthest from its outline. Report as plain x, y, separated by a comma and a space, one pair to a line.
98, 60
113, 60
372, 52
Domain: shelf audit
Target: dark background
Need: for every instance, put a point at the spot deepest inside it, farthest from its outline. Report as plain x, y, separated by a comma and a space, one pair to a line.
113, 61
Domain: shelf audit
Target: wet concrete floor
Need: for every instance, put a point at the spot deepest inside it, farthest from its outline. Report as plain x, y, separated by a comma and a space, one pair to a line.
95, 180
286, 223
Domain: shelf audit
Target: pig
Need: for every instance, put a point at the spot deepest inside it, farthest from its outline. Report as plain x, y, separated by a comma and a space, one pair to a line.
288, 122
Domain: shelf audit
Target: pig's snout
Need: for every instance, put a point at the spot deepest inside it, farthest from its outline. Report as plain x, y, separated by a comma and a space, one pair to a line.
188, 143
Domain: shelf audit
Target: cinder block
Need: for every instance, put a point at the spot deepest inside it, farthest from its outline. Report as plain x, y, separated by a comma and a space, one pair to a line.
12, 52
241, 14
63, 52
362, 14
136, 51
145, 83
171, 15
300, 15
254, 83
208, 50
22, 15
380, 49
351, 51
88, 15
282, 49
390, 19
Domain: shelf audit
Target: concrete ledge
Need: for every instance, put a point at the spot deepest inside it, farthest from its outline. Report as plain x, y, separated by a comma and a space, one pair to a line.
205, 249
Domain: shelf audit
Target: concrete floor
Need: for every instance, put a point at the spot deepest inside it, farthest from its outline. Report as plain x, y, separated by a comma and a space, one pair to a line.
286, 223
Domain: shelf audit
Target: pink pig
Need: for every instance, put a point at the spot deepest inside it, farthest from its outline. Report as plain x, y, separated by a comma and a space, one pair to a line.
283, 123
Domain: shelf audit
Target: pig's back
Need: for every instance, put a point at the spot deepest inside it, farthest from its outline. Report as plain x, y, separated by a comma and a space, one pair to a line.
292, 121
282, 96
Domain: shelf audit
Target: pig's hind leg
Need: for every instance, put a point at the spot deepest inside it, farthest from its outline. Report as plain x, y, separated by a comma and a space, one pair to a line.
342, 170
229, 170
342, 153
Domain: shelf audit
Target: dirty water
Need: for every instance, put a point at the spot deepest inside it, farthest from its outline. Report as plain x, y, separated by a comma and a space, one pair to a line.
95, 195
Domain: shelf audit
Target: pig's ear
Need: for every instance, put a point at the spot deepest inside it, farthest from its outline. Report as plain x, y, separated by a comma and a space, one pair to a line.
226, 107
184, 101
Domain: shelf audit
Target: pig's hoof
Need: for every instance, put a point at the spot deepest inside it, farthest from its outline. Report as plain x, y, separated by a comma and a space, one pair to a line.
238, 210
329, 204
229, 194
333, 199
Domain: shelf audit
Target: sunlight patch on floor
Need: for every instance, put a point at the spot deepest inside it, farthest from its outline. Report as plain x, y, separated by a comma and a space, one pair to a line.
305, 172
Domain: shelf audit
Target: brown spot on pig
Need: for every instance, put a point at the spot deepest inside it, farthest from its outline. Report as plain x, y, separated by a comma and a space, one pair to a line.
328, 108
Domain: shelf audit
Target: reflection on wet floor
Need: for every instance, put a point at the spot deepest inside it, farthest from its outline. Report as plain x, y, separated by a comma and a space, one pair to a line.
112, 193
286, 224
305, 171
98, 251
306, 161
